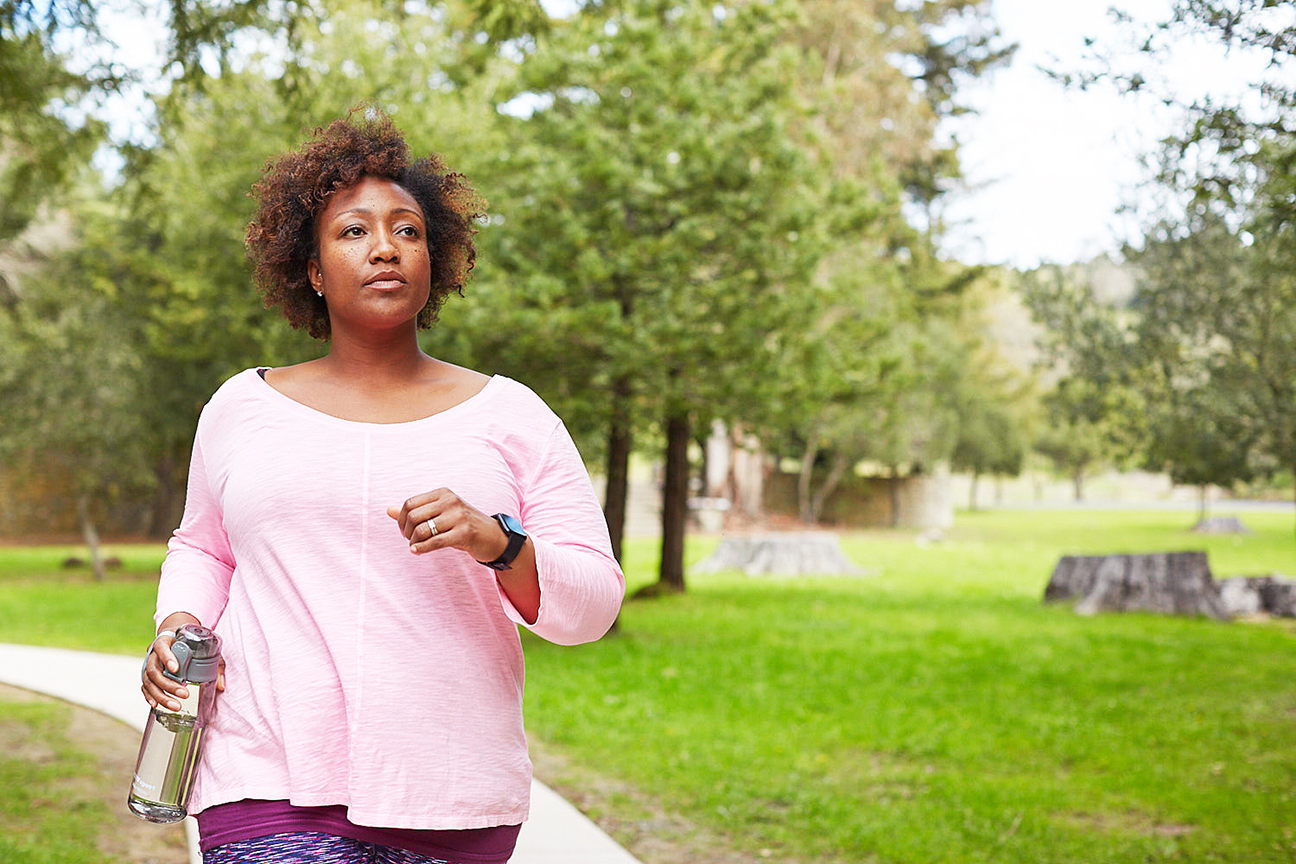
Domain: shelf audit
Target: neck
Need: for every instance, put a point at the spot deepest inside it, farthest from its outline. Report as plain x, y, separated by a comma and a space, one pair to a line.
389, 355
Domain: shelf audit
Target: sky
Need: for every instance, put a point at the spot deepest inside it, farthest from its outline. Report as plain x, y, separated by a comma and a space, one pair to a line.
1046, 169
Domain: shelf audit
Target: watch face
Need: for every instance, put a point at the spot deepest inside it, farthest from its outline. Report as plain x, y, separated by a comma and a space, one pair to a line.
512, 525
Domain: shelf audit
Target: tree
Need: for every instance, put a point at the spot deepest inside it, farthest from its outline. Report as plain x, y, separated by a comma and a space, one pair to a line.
1094, 412
880, 76
70, 394
1218, 271
991, 429
659, 227
160, 260
41, 144
1215, 319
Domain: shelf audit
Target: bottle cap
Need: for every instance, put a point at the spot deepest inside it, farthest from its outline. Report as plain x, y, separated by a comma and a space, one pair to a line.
197, 650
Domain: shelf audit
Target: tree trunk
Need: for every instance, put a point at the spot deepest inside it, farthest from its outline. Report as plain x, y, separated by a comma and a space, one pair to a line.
805, 480
893, 486
830, 484
972, 492
703, 465
1077, 480
166, 507
1202, 504
674, 504
618, 482
746, 473
91, 537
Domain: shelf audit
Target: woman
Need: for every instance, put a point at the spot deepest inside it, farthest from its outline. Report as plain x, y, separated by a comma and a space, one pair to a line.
366, 530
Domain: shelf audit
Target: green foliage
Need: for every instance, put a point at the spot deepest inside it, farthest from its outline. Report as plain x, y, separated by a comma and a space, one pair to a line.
1095, 414
41, 147
1217, 271
1218, 327
134, 326
990, 438
656, 223
664, 203
656, 208
875, 375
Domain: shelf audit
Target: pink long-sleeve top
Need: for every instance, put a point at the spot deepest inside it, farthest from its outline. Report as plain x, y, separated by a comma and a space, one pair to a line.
358, 673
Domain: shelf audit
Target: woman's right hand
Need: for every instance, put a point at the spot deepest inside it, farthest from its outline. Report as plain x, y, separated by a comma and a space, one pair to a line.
156, 687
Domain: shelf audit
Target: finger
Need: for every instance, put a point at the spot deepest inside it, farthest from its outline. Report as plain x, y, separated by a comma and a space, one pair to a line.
158, 688
162, 650
419, 507
420, 500
425, 541
159, 695
419, 523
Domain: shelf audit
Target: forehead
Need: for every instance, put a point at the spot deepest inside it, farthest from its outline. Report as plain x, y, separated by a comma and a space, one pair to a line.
373, 194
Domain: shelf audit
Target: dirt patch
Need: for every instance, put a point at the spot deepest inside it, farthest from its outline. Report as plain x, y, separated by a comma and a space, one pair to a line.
634, 820
1126, 822
114, 746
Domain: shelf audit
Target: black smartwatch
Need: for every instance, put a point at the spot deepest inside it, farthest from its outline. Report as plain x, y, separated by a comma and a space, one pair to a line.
516, 537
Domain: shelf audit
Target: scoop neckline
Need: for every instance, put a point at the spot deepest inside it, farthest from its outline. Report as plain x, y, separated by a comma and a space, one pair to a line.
485, 393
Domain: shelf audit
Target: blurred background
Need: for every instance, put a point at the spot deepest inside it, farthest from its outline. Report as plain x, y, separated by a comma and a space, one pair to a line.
971, 284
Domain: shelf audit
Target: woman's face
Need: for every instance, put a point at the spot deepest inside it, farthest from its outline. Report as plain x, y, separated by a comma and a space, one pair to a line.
374, 266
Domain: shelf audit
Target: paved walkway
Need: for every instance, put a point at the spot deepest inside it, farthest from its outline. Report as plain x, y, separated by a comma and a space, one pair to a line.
556, 833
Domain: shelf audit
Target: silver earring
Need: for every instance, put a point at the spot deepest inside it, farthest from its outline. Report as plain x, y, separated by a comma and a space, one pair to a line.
319, 293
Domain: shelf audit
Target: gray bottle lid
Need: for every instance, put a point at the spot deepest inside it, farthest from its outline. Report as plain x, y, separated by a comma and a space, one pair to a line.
197, 650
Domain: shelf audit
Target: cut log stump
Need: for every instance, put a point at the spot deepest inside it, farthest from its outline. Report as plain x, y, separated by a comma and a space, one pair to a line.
795, 553
1259, 595
1175, 583
1220, 525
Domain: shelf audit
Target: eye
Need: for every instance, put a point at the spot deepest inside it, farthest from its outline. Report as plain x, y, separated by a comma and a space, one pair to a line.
409, 231
352, 231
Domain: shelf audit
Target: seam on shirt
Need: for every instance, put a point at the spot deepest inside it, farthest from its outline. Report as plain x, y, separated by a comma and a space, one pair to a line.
364, 582
543, 456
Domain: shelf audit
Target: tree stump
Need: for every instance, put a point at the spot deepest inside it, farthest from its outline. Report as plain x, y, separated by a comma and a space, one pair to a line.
786, 554
1255, 595
1176, 583
1220, 525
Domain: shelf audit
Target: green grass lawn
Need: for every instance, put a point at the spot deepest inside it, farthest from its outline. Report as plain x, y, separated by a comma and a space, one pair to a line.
64, 775
43, 602
934, 711
38, 773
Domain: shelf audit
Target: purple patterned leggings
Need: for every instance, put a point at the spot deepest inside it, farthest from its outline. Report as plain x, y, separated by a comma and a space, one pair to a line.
309, 846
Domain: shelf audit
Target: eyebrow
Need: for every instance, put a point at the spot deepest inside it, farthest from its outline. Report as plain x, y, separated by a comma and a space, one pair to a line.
368, 211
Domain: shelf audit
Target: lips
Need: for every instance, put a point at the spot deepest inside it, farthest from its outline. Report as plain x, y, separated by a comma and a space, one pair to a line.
385, 281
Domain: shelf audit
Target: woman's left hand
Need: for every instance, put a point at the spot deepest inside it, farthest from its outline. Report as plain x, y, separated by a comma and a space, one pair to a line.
441, 520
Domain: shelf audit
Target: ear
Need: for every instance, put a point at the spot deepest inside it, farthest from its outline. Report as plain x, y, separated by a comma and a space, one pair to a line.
315, 275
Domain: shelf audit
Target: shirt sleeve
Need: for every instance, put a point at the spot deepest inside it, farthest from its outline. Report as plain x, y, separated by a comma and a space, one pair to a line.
199, 563
581, 584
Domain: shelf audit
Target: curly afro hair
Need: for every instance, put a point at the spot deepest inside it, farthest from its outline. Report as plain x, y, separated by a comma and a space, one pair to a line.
296, 187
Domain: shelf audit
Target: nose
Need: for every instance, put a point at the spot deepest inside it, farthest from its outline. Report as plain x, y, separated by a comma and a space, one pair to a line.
384, 246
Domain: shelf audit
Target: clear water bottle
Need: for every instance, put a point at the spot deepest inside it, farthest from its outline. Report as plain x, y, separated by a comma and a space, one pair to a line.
172, 743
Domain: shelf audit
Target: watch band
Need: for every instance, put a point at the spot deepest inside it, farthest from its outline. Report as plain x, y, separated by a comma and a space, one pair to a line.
516, 537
